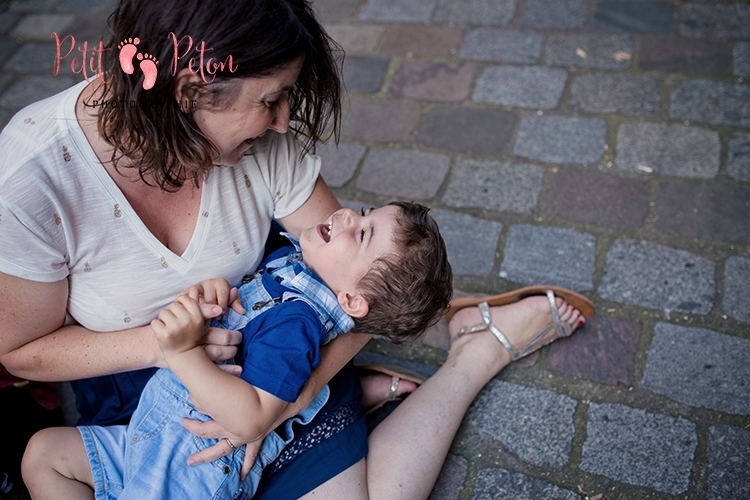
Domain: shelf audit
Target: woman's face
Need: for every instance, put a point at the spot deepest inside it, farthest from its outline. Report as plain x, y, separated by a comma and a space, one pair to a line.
261, 104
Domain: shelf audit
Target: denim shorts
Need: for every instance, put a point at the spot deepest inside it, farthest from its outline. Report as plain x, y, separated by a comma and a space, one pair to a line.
147, 459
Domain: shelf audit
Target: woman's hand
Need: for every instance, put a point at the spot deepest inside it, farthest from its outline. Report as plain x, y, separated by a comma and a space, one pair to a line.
212, 430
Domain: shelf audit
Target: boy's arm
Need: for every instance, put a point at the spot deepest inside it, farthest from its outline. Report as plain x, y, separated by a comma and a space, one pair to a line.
226, 398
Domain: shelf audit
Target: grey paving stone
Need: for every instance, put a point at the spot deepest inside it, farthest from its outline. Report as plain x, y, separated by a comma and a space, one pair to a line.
736, 302
500, 187
639, 448
554, 14
498, 45
471, 242
86, 5
537, 425
700, 368
590, 51
336, 11
619, 93
6, 49
7, 21
405, 174
728, 463
715, 20
33, 88
477, 12
741, 55
31, 5
655, 276
561, 139
34, 57
450, 482
670, 149
738, 159
711, 102
399, 11
364, 73
38, 27
492, 484
558, 256
633, 17
535, 87
484, 131
339, 163
5, 116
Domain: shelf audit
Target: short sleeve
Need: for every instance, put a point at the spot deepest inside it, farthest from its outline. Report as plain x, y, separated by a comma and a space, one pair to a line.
290, 176
282, 348
34, 241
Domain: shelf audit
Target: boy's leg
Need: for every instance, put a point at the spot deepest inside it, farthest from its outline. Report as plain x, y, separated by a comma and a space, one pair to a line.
55, 465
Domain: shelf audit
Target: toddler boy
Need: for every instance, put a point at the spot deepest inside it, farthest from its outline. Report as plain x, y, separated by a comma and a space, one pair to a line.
384, 271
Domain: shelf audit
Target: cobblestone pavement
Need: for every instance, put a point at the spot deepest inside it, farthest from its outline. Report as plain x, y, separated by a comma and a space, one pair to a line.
601, 145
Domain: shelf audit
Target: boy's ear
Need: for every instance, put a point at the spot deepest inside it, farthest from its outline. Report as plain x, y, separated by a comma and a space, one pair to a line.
184, 78
353, 304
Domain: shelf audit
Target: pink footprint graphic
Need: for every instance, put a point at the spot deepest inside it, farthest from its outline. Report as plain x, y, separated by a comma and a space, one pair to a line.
127, 50
148, 66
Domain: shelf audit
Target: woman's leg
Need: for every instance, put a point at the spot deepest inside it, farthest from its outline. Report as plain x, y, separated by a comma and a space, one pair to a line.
407, 449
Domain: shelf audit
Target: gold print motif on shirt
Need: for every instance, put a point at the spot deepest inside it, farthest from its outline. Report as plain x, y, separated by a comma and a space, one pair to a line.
29, 121
236, 247
205, 214
118, 212
66, 155
86, 268
164, 263
126, 319
57, 219
247, 181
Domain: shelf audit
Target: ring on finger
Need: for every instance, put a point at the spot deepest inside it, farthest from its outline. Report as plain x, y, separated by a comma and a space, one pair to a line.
230, 444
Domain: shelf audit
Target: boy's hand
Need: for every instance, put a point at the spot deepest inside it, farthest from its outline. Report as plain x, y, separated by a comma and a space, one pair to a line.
215, 291
181, 325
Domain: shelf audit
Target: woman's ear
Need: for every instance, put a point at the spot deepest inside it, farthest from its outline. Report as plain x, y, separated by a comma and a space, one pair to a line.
183, 85
353, 304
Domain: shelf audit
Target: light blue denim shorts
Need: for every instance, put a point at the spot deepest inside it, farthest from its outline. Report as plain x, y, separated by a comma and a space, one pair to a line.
147, 459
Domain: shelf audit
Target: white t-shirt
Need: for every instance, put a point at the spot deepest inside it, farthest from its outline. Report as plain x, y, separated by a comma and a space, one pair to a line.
62, 215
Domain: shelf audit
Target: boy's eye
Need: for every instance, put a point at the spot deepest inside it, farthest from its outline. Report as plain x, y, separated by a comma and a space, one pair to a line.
362, 235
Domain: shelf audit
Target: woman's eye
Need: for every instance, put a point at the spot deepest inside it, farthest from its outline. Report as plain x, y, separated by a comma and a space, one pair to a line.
362, 211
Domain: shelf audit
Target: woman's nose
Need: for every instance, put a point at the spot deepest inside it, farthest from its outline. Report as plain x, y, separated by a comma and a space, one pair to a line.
280, 121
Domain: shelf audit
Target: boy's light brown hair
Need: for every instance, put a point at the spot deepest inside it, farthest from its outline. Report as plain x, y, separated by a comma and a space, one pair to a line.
408, 292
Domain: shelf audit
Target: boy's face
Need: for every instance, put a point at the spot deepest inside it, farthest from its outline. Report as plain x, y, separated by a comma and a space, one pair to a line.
344, 248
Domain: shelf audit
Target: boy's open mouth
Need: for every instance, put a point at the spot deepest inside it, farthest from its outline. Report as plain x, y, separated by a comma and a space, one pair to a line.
324, 230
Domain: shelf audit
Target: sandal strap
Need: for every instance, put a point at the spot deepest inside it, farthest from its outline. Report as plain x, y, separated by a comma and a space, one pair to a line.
563, 330
484, 308
394, 387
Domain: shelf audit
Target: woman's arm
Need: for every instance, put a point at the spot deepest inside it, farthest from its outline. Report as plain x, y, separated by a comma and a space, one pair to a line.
35, 345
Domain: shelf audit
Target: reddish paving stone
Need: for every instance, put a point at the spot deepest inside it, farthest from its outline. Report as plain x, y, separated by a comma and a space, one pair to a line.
692, 56
484, 131
450, 482
703, 210
336, 11
595, 198
603, 350
356, 38
380, 120
428, 41
431, 81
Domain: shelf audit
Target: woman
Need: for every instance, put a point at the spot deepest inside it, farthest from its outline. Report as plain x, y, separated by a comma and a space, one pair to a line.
112, 209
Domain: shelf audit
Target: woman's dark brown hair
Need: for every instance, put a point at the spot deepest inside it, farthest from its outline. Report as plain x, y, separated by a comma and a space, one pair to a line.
149, 127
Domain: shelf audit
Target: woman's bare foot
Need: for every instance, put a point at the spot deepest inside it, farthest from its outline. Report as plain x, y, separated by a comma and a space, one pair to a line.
520, 322
377, 387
